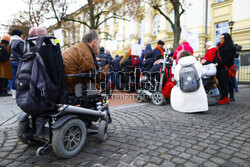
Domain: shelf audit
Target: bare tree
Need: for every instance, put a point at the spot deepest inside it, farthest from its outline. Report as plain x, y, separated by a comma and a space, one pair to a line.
59, 10
37, 11
21, 22
95, 10
159, 5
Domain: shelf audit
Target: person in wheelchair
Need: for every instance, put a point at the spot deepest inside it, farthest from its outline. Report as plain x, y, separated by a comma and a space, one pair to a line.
81, 58
208, 77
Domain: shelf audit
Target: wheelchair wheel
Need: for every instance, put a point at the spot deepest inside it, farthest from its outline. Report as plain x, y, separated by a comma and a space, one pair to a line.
102, 131
213, 93
68, 140
158, 98
139, 98
24, 133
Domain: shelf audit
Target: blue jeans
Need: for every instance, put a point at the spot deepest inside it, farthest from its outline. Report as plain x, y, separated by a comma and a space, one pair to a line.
116, 79
236, 62
14, 66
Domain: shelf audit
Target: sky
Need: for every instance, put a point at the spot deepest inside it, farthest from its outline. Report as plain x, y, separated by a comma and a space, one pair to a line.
8, 8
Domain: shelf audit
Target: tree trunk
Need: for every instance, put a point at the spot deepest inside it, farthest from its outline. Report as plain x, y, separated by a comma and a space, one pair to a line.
91, 14
177, 25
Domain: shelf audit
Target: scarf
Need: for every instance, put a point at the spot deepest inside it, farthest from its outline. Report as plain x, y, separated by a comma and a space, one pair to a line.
220, 45
161, 50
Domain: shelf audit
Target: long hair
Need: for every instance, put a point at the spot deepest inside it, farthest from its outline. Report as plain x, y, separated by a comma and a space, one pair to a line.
228, 40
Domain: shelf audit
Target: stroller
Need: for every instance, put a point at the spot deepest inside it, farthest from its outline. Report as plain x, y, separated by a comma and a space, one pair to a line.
151, 89
63, 128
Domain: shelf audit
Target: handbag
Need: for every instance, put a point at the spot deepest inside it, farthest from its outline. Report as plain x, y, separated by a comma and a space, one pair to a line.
231, 70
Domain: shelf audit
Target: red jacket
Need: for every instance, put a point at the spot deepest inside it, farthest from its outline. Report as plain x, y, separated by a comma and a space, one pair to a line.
209, 56
179, 48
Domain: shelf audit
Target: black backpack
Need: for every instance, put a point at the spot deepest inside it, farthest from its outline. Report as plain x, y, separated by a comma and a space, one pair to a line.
3, 53
40, 79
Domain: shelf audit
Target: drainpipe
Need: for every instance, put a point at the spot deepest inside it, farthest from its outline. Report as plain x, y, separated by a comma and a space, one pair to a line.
206, 21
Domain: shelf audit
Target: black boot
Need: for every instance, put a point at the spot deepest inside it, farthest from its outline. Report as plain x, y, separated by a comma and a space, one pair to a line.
231, 96
5, 93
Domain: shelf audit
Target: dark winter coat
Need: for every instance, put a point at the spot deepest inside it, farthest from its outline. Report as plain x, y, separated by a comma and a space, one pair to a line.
116, 63
156, 52
227, 54
16, 47
146, 51
102, 59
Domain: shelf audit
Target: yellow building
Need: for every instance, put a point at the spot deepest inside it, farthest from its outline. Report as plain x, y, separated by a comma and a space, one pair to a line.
151, 26
205, 19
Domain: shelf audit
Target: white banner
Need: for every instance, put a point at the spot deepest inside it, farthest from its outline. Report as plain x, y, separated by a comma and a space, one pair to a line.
192, 37
59, 35
136, 49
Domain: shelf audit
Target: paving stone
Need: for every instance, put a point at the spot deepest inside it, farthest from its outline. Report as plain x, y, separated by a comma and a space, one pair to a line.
192, 151
128, 159
168, 164
179, 161
210, 164
218, 160
152, 165
238, 161
173, 152
231, 164
5, 162
204, 155
197, 160
122, 164
156, 160
224, 155
111, 163
185, 156
14, 164
190, 164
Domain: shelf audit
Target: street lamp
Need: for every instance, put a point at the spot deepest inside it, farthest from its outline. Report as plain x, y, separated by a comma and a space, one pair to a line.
231, 24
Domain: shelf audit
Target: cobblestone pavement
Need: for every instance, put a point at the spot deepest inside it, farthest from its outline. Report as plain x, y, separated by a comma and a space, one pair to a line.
148, 135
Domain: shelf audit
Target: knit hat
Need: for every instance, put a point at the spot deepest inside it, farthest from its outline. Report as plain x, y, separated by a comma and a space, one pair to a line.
16, 32
102, 49
160, 42
41, 31
6, 37
210, 43
32, 32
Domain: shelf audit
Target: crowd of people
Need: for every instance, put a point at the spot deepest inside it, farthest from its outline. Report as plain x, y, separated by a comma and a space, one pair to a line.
124, 72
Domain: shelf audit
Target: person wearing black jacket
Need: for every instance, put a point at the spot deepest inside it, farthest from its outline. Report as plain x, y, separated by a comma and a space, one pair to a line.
16, 47
224, 59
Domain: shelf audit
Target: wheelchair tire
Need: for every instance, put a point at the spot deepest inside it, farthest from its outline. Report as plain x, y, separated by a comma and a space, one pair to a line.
212, 99
139, 98
24, 133
102, 131
68, 139
158, 98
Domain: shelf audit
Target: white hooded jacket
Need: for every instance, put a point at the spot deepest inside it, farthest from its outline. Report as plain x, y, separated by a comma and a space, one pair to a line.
188, 102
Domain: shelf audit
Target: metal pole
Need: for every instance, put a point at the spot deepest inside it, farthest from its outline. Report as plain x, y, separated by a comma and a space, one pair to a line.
206, 21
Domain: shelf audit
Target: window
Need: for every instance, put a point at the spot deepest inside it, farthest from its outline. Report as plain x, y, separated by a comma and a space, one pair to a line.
220, 28
171, 16
156, 24
218, 1
142, 28
245, 59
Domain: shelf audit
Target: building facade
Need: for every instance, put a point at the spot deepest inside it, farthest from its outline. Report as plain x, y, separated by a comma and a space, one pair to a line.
208, 18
